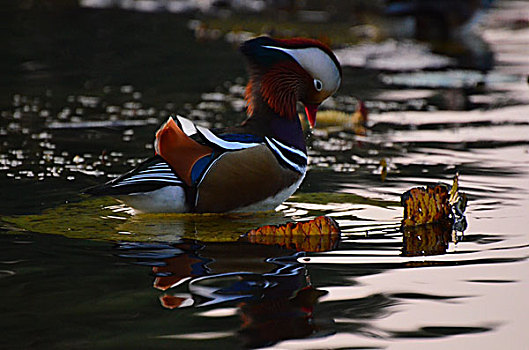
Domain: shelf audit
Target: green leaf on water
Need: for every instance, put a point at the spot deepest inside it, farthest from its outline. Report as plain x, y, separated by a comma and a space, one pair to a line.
104, 218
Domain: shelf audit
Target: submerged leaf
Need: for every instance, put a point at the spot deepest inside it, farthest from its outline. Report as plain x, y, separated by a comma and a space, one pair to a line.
95, 218
317, 235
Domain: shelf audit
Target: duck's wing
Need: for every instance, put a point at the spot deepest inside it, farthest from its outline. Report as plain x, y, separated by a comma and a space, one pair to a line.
151, 175
183, 152
189, 149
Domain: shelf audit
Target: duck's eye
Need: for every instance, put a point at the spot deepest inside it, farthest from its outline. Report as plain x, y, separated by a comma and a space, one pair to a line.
318, 85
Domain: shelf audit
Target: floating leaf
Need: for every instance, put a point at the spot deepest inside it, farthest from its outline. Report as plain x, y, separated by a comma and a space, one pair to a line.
435, 204
317, 235
103, 218
432, 218
426, 205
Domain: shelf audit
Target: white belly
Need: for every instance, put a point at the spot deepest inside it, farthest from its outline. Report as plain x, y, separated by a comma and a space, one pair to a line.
169, 199
172, 199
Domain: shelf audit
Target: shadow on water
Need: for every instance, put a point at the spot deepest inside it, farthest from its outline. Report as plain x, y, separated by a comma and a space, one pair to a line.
80, 100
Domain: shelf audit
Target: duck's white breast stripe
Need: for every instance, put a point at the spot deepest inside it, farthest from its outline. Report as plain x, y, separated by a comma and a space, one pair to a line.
228, 145
297, 167
290, 149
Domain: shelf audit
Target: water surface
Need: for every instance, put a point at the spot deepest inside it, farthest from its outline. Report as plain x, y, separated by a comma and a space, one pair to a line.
79, 105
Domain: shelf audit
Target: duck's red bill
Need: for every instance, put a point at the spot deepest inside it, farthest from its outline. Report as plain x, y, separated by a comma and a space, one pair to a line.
310, 110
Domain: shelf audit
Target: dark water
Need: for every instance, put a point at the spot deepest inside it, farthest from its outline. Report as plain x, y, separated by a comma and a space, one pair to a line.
82, 92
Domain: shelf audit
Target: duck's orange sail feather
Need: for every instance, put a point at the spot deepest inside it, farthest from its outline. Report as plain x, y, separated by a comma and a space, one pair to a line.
179, 150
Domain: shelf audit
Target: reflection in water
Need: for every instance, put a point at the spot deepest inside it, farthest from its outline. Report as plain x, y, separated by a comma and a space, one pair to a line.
178, 269
449, 25
429, 239
274, 298
272, 306
279, 317
314, 243
392, 55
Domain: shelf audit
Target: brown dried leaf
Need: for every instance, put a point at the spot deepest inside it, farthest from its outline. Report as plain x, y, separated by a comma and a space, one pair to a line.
317, 235
426, 205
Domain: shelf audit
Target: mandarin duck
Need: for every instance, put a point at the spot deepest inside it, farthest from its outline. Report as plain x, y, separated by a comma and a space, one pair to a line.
251, 167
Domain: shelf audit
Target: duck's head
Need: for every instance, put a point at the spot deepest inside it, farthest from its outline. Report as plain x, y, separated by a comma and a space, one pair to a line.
283, 72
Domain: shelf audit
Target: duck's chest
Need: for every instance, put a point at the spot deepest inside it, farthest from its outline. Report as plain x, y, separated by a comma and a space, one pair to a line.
252, 179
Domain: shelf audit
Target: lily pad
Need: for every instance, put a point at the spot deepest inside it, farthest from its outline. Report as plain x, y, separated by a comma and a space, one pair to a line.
106, 219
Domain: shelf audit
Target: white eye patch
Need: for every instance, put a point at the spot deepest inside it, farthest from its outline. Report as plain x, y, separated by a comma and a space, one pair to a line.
318, 85
317, 63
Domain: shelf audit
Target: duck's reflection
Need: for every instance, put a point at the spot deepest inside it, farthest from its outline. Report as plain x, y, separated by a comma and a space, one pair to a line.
279, 317
274, 297
178, 269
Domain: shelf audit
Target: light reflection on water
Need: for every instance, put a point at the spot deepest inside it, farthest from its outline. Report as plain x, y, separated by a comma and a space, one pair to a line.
177, 289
